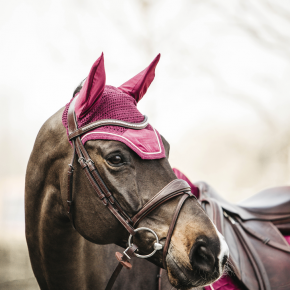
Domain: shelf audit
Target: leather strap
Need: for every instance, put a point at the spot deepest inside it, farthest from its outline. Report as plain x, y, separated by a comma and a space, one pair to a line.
159, 276
100, 182
172, 226
93, 176
123, 261
106, 201
168, 238
265, 240
70, 185
174, 188
260, 271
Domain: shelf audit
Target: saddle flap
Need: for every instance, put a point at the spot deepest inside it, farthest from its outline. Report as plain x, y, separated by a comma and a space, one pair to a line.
267, 233
239, 261
274, 201
268, 205
255, 247
206, 191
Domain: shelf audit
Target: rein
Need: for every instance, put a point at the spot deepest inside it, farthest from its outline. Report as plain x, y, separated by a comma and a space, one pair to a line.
174, 188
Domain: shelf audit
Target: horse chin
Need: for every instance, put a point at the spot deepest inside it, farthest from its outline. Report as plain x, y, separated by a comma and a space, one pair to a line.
183, 278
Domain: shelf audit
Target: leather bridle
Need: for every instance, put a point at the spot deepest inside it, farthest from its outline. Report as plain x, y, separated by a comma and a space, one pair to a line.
174, 188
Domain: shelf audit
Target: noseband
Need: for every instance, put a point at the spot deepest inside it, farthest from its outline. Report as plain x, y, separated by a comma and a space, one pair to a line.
174, 188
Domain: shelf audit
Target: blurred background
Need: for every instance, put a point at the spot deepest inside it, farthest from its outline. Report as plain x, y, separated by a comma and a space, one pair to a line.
220, 96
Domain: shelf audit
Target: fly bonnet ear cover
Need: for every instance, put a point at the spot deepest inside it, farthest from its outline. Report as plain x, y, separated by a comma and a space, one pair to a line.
97, 101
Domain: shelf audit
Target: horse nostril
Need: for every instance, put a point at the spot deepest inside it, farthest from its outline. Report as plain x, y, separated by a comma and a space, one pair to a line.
202, 258
202, 251
225, 259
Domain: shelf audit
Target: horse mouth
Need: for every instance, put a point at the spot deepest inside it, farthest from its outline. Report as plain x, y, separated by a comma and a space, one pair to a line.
184, 278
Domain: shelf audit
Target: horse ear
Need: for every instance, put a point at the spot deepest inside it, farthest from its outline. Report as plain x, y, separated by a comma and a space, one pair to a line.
93, 88
138, 85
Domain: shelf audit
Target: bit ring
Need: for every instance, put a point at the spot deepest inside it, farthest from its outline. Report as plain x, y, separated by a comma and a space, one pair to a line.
157, 245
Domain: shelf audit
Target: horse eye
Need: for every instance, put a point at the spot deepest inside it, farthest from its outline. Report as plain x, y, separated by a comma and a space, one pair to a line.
117, 159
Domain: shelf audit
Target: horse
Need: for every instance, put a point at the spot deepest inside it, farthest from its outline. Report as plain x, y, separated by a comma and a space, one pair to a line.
98, 178
257, 231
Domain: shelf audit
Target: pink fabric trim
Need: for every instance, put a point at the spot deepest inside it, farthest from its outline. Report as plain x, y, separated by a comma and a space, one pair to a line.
180, 175
98, 101
287, 238
146, 141
147, 144
115, 104
224, 283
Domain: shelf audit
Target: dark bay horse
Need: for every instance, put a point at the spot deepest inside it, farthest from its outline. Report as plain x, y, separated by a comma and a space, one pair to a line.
64, 257
259, 242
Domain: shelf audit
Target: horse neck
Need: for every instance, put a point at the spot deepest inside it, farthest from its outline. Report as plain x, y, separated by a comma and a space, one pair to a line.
61, 258
56, 249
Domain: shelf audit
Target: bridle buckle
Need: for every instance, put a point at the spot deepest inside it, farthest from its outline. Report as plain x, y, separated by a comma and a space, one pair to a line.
82, 159
90, 160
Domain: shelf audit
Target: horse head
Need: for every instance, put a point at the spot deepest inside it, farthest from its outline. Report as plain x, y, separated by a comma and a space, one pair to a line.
133, 167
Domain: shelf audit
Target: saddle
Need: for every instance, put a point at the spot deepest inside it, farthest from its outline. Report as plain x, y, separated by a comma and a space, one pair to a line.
253, 228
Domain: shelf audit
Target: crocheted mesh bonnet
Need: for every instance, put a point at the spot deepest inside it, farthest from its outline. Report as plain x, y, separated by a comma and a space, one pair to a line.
97, 101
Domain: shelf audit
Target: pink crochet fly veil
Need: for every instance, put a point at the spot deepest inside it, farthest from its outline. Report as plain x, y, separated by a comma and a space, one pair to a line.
97, 101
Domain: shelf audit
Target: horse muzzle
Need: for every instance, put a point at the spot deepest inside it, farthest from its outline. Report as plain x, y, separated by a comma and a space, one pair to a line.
201, 267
